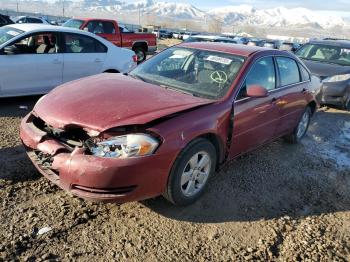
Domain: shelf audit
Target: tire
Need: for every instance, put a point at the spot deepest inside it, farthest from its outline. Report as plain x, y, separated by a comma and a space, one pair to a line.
141, 54
301, 128
182, 193
347, 105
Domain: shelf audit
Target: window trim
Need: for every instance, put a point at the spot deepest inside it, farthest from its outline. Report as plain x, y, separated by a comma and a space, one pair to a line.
64, 49
279, 73
278, 87
250, 69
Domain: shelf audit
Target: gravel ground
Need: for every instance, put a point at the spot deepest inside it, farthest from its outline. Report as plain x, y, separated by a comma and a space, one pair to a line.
280, 203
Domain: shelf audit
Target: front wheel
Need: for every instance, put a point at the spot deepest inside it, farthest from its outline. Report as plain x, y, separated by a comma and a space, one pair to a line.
300, 130
190, 172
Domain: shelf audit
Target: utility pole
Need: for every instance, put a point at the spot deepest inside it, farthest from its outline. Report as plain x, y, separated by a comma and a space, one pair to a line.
63, 8
139, 16
17, 6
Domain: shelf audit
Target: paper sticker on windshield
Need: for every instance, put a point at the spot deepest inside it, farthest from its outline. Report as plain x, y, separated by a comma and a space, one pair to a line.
13, 33
218, 59
177, 56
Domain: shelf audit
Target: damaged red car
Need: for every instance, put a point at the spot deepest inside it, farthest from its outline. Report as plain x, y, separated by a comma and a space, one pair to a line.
165, 128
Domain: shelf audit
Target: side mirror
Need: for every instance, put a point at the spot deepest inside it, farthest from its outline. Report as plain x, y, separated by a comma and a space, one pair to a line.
11, 50
256, 91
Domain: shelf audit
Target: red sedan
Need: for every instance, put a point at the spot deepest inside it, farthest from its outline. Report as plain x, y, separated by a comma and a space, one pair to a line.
170, 123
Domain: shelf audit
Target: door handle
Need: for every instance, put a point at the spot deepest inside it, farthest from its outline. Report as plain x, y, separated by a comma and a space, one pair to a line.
98, 60
304, 90
279, 102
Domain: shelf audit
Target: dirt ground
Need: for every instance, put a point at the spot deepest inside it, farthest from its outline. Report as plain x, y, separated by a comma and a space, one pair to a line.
280, 203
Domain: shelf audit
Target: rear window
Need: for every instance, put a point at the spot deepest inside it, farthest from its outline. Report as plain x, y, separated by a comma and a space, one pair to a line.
99, 27
73, 23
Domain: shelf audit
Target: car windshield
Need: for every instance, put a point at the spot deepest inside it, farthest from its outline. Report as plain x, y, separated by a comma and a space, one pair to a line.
73, 23
7, 33
200, 73
325, 53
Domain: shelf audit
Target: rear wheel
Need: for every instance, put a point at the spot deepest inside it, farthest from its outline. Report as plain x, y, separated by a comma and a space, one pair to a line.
300, 130
140, 53
190, 172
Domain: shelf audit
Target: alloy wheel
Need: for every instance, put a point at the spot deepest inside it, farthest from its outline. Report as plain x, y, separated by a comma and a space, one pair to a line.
195, 174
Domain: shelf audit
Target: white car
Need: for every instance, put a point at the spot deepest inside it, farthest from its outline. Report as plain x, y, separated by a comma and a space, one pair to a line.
35, 58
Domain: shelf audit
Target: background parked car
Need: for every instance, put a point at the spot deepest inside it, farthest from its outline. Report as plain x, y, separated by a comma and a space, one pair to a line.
330, 60
188, 34
141, 43
256, 42
5, 20
289, 46
275, 44
36, 58
30, 20
209, 38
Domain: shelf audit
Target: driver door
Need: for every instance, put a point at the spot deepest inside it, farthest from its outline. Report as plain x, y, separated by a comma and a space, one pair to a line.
34, 66
255, 119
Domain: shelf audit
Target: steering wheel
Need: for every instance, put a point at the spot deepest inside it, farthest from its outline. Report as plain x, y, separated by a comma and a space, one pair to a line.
219, 77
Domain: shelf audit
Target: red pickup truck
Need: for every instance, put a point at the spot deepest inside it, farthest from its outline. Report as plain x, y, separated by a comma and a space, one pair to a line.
141, 43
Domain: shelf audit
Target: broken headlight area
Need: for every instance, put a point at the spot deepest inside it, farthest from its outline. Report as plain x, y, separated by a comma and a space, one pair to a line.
130, 145
70, 137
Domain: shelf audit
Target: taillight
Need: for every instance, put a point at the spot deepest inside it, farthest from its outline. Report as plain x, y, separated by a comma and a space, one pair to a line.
134, 57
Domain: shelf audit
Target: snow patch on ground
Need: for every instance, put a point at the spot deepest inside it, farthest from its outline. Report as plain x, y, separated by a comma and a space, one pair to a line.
336, 149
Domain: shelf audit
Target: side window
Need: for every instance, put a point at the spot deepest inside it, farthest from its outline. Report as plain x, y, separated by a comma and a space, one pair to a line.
41, 43
262, 73
108, 28
305, 76
76, 43
288, 70
34, 20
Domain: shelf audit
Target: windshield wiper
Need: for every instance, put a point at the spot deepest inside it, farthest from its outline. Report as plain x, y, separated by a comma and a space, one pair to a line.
135, 77
178, 90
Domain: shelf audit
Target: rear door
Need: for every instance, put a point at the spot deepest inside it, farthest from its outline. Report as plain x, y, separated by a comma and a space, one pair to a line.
289, 95
255, 119
35, 68
83, 56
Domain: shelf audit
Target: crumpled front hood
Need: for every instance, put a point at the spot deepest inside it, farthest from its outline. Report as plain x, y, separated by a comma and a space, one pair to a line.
324, 70
109, 100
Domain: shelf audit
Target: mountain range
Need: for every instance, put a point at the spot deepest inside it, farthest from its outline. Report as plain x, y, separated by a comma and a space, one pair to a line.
229, 15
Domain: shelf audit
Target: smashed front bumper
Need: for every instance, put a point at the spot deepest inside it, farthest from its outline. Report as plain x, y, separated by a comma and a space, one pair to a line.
91, 177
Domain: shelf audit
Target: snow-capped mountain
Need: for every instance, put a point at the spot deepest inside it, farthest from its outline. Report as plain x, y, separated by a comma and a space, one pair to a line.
280, 16
161, 9
230, 15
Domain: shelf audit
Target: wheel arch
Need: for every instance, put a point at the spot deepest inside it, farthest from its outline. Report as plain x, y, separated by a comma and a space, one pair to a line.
141, 44
111, 71
218, 144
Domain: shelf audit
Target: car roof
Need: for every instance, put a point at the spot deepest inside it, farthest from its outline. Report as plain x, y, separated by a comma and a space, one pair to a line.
242, 50
341, 43
91, 19
44, 27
